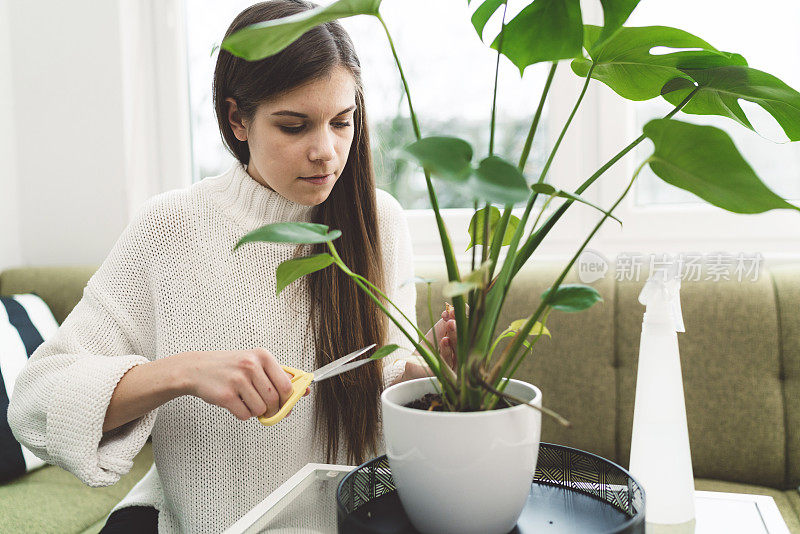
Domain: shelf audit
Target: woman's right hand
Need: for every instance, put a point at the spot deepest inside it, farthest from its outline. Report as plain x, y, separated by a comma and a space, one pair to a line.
247, 383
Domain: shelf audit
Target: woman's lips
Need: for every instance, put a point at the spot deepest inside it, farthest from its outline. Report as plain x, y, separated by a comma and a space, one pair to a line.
318, 181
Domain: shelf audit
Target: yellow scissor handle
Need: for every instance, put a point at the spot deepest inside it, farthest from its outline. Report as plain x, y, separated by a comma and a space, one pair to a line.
300, 381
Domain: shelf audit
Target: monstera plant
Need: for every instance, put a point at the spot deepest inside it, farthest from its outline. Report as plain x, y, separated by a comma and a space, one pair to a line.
700, 159
694, 77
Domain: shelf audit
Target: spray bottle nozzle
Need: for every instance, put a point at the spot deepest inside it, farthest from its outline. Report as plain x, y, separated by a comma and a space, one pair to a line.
662, 298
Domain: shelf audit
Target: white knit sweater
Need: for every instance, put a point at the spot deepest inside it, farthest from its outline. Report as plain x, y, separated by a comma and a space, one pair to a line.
171, 284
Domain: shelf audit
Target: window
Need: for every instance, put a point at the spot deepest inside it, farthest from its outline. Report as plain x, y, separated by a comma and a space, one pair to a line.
658, 217
451, 93
451, 74
734, 27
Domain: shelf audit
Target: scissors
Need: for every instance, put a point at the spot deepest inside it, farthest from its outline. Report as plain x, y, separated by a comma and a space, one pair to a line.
301, 380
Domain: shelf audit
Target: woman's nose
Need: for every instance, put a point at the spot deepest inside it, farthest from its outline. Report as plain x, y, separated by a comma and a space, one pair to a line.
322, 147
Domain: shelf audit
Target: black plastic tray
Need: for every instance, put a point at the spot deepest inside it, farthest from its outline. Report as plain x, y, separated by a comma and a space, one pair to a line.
572, 491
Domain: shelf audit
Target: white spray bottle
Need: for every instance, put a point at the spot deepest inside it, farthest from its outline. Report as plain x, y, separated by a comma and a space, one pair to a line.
660, 457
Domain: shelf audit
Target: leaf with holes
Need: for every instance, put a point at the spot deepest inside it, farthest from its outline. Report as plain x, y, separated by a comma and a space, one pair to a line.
721, 88
625, 64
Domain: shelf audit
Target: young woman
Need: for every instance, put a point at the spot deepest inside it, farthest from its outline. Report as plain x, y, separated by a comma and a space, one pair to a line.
181, 338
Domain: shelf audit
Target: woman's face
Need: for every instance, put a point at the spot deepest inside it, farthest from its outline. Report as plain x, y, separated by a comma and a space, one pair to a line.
305, 132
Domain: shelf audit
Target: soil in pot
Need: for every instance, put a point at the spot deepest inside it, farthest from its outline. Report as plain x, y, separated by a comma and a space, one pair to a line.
432, 402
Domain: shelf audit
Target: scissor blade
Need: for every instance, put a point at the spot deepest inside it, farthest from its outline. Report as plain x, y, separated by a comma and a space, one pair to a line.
343, 369
321, 372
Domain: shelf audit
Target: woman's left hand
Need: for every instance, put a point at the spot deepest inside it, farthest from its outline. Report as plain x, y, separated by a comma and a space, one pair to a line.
446, 336
445, 329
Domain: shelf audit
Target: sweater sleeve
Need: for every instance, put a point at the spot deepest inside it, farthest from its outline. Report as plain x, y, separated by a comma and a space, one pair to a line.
60, 399
398, 258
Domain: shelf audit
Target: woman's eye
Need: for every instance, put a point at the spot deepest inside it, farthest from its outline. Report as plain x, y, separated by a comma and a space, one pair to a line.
291, 129
298, 129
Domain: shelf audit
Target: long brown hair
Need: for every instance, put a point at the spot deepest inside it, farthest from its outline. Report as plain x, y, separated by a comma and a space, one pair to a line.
344, 318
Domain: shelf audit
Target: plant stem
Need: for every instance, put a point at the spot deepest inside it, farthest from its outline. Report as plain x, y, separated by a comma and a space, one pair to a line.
543, 174
473, 320
485, 246
541, 212
534, 239
381, 293
447, 246
546, 301
474, 233
535, 124
563, 421
496, 76
564, 129
498, 294
433, 325
530, 347
500, 231
414, 122
434, 363
420, 348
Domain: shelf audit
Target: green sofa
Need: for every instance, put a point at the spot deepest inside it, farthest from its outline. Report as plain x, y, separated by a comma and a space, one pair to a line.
740, 358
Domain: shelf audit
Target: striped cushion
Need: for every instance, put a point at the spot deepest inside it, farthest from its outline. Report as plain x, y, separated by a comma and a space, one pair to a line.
25, 322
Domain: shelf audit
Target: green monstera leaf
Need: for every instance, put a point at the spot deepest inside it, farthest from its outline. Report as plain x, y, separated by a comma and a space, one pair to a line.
548, 30
719, 90
484, 12
384, 351
291, 270
547, 189
615, 13
294, 232
265, 39
476, 226
497, 180
624, 61
450, 158
572, 297
545, 30
704, 161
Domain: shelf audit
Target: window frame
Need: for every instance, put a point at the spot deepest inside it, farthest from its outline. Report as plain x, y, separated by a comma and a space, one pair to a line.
603, 125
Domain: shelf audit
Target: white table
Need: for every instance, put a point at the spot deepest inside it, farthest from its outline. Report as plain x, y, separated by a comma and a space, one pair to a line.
306, 504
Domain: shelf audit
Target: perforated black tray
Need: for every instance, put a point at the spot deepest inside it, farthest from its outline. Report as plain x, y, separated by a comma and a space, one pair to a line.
572, 491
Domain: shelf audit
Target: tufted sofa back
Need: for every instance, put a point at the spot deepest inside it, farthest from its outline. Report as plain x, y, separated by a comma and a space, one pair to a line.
740, 358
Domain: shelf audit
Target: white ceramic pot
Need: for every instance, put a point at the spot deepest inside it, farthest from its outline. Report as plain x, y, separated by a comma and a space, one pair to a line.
464, 472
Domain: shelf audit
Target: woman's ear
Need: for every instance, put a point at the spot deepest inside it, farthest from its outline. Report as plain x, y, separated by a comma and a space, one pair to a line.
235, 120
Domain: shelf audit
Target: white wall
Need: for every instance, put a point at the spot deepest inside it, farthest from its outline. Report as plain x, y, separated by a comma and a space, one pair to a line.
66, 84
81, 111
10, 252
